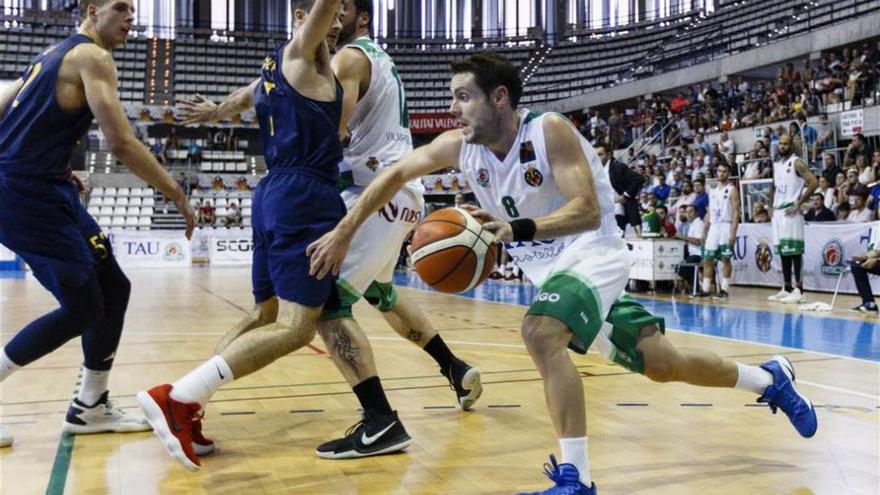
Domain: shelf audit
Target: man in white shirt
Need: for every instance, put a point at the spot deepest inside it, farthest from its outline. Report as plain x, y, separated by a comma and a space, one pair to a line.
692, 234
857, 200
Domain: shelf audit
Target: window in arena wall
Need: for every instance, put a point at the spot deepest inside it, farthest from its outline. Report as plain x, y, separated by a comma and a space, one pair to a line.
156, 17
223, 14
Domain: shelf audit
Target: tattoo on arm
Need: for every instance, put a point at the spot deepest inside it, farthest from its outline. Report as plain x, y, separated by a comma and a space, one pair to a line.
414, 335
345, 349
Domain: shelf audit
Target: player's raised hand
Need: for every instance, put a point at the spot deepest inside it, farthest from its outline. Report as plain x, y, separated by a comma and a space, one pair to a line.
327, 253
197, 110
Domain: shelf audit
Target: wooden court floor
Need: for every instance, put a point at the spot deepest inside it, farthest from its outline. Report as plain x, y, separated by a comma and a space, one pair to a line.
644, 437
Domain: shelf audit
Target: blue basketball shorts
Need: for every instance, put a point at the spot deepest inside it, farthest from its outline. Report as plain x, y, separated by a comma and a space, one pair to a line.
43, 221
290, 211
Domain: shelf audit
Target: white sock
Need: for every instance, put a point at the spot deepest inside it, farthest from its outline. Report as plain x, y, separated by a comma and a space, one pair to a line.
94, 383
707, 284
574, 452
753, 378
201, 383
725, 284
7, 366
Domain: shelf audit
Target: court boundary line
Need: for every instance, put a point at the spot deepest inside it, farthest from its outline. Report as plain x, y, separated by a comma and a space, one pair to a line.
459, 296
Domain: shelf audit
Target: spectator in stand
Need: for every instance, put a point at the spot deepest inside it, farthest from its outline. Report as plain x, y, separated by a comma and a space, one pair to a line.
679, 103
809, 135
662, 190
859, 212
157, 150
829, 195
830, 169
626, 183
667, 227
207, 214
727, 146
848, 186
172, 142
843, 212
874, 192
701, 143
615, 128
824, 135
197, 209
858, 146
701, 200
183, 181
760, 213
865, 172
233, 216
818, 211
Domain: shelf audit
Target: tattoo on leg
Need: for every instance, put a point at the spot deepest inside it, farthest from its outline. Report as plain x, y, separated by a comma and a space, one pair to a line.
414, 335
345, 348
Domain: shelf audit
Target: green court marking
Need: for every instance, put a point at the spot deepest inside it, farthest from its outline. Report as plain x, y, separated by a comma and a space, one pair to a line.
58, 478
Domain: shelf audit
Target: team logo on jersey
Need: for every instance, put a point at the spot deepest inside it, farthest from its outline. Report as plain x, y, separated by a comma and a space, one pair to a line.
372, 163
533, 176
526, 152
483, 177
833, 258
763, 256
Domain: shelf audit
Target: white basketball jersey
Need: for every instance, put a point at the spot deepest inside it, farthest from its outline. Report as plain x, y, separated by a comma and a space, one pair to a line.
788, 185
719, 203
380, 124
523, 186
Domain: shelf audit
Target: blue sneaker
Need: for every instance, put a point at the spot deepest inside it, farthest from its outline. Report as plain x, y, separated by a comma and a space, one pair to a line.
783, 395
567, 480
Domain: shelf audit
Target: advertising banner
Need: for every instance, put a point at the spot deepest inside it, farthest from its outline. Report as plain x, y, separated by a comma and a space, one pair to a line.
233, 247
154, 248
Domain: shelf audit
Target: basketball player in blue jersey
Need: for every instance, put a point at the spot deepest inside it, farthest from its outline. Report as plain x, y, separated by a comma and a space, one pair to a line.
373, 104
298, 103
42, 116
546, 182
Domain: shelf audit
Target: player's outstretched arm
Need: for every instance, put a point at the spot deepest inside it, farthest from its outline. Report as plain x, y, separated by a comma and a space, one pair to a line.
575, 180
100, 82
312, 33
352, 68
200, 109
7, 95
328, 252
734, 203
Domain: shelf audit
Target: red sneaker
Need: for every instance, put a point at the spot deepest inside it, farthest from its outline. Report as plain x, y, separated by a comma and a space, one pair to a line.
201, 445
172, 422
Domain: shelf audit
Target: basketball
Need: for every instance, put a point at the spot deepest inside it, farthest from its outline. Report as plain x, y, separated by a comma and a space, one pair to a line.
452, 252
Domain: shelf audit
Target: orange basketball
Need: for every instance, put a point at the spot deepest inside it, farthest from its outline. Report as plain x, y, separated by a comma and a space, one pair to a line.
452, 252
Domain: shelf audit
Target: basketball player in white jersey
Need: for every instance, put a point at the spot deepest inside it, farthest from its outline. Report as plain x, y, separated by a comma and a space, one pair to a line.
792, 184
545, 194
375, 127
720, 235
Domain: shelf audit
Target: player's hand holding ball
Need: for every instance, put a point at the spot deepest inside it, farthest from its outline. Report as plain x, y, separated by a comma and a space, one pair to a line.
502, 230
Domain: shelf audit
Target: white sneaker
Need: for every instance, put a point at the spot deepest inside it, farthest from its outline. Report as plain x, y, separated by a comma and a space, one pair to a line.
779, 295
101, 417
794, 298
5, 438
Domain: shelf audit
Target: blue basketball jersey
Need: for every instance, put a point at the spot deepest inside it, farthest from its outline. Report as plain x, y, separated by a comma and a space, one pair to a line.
298, 133
36, 135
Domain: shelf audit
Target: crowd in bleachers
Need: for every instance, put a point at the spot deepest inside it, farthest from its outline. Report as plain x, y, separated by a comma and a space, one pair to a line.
850, 76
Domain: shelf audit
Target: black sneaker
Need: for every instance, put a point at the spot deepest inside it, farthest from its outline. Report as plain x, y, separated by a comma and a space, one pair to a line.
465, 380
865, 308
721, 296
373, 435
701, 294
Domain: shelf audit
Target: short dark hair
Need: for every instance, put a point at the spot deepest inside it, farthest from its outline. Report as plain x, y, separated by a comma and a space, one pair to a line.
724, 164
491, 71
302, 5
820, 195
84, 6
364, 7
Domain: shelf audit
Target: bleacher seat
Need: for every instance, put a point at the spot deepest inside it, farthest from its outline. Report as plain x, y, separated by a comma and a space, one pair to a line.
94, 210
149, 201
119, 211
122, 201
147, 211
108, 201
133, 211
221, 202
145, 222
246, 221
220, 212
123, 192
135, 201
246, 212
106, 210
131, 222
118, 222
104, 222
110, 191
96, 200
98, 191
247, 202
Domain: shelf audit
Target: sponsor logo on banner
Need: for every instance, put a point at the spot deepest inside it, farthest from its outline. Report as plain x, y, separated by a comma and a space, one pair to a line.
231, 248
432, 123
235, 245
833, 257
173, 252
763, 256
